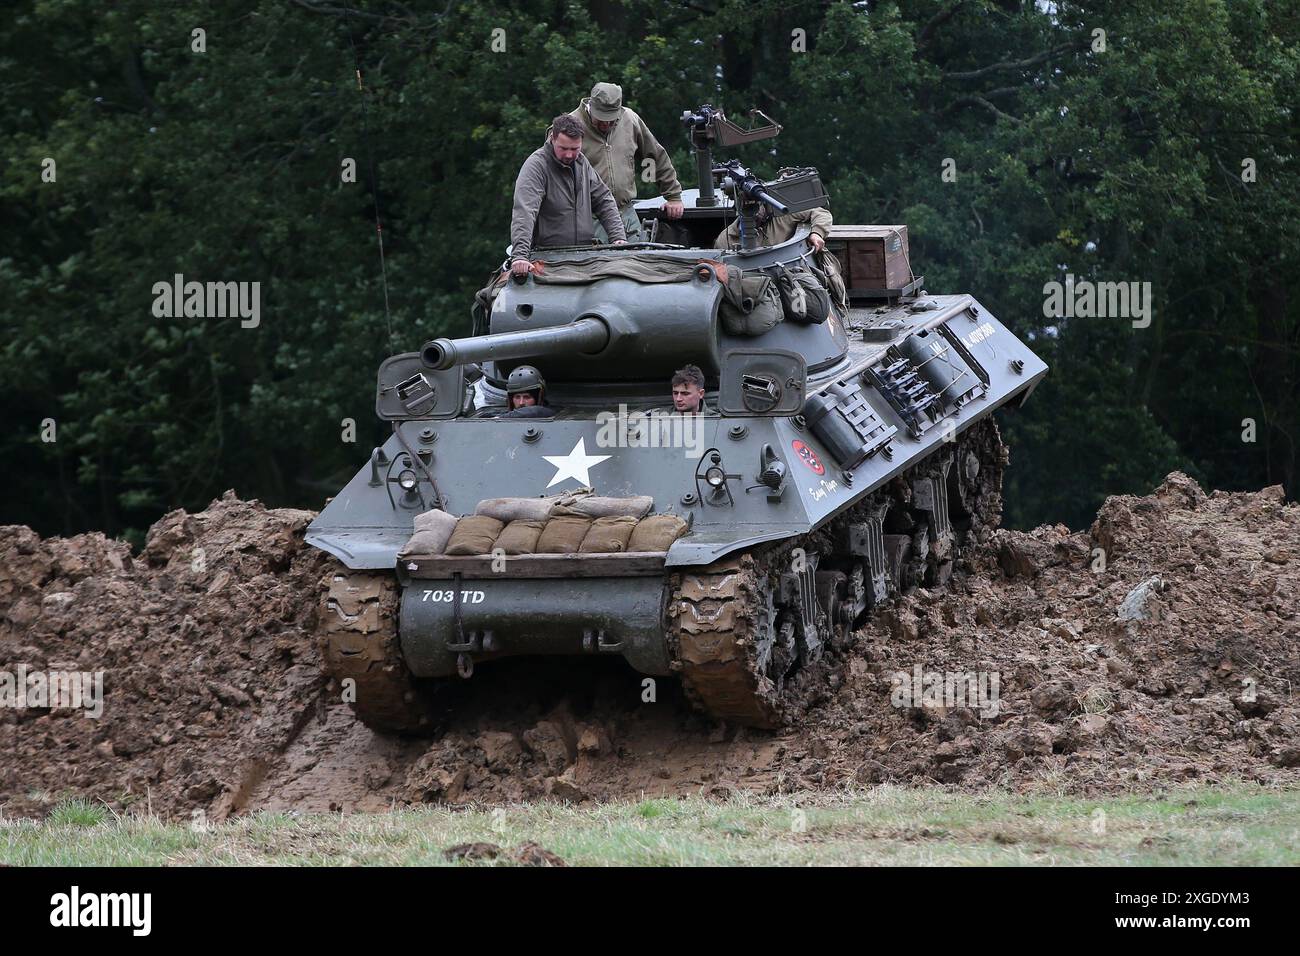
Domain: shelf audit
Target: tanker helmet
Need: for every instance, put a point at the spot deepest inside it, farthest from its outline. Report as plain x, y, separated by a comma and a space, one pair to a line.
525, 378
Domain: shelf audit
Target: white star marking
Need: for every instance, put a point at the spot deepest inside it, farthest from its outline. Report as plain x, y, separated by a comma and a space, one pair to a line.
574, 465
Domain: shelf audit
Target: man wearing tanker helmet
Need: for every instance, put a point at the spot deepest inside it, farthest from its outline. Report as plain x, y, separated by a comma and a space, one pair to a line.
526, 393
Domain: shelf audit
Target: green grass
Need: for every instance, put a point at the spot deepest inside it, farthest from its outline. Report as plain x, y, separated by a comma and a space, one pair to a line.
1240, 826
77, 813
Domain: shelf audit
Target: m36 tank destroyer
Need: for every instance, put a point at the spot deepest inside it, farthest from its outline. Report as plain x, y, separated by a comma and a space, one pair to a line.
846, 451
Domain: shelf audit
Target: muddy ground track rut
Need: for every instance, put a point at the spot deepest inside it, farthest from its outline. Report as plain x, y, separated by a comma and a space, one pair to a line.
214, 699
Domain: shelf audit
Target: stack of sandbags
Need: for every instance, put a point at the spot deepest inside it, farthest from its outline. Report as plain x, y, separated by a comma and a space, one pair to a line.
580, 523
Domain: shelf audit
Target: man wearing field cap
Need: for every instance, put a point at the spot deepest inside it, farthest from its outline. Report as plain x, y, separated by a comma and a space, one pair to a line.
617, 144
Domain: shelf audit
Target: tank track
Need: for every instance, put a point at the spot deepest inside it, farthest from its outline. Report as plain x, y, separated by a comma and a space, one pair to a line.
715, 616
358, 631
731, 638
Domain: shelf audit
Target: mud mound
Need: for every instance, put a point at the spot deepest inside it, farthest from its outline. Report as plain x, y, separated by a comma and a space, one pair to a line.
205, 641
1161, 646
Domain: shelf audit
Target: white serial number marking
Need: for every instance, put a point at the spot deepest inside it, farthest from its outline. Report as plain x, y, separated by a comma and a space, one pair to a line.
448, 595
979, 335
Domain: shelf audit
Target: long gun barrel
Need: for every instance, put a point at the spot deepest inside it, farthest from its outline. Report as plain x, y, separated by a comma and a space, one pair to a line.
585, 335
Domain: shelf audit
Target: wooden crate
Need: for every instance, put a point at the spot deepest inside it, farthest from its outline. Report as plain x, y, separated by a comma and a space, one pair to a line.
875, 259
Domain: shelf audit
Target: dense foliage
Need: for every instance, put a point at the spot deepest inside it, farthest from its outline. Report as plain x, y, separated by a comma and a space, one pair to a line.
1144, 140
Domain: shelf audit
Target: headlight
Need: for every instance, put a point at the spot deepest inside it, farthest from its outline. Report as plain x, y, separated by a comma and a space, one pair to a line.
715, 477
407, 480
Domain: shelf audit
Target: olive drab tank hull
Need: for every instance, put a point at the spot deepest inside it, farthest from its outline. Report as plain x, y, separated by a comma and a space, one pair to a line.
836, 463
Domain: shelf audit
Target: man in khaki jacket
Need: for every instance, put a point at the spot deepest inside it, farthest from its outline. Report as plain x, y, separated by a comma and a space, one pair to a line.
557, 195
616, 143
774, 229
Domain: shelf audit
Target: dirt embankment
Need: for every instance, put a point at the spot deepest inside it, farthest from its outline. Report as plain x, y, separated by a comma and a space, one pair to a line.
1162, 646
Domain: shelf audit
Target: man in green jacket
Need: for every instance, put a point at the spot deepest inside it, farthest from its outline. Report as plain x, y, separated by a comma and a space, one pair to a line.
616, 143
557, 195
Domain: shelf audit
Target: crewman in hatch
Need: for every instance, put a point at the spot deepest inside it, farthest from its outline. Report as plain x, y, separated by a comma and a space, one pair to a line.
688, 390
526, 393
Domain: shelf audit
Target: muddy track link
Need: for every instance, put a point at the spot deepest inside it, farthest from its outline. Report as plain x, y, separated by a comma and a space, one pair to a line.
359, 634
714, 620
719, 616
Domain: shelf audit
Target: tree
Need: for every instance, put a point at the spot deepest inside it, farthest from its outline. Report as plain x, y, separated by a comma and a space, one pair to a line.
1123, 161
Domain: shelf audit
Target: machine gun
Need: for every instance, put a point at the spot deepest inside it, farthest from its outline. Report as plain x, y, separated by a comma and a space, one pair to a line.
795, 190
739, 181
708, 125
